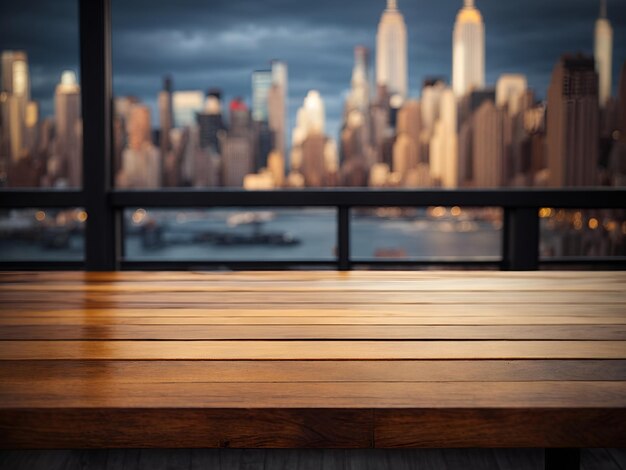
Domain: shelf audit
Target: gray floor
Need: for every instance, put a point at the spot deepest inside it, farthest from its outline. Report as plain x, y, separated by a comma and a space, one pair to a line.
231, 459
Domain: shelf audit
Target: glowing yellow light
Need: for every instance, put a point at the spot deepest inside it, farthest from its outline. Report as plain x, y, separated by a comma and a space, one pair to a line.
139, 216
40, 216
610, 226
593, 223
455, 211
578, 224
438, 211
545, 212
81, 216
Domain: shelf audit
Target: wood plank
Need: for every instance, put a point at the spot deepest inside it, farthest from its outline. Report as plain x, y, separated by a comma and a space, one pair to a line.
173, 299
324, 310
312, 359
310, 350
228, 284
319, 320
499, 428
318, 395
311, 332
185, 428
72, 373
164, 276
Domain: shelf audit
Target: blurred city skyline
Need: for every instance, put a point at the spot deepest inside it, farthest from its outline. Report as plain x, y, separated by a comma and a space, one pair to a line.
219, 44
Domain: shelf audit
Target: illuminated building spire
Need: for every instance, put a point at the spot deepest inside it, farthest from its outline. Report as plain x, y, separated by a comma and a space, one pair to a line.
603, 53
468, 50
392, 51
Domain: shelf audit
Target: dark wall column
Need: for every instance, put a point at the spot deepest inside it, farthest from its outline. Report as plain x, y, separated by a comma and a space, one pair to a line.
102, 235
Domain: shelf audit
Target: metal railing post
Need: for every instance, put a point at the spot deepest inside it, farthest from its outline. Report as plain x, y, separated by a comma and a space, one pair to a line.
520, 243
343, 238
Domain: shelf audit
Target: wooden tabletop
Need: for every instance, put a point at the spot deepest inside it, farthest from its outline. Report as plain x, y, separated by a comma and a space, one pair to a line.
313, 359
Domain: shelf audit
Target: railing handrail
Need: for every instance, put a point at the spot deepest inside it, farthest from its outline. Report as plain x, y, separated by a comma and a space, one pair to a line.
570, 198
520, 234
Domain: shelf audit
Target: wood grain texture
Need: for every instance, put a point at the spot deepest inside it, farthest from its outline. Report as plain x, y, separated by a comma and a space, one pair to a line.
310, 350
185, 428
312, 359
175, 298
78, 373
312, 332
500, 428
423, 395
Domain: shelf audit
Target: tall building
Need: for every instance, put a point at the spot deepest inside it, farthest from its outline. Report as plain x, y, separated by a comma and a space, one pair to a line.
406, 148
356, 134
68, 124
15, 76
261, 85
468, 50
210, 121
277, 106
359, 98
444, 162
16, 96
573, 123
430, 106
488, 146
510, 91
166, 115
391, 51
311, 116
313, 163
617, 159
603, 53
307, 151
186, 105
141, 162
237, 145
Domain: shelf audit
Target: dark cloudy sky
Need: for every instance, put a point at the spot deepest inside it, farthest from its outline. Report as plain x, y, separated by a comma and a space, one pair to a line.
206, 43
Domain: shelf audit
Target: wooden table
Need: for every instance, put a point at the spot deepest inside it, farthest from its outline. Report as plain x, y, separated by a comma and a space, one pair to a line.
313, 359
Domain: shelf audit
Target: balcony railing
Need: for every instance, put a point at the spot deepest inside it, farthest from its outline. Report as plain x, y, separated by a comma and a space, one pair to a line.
520, 234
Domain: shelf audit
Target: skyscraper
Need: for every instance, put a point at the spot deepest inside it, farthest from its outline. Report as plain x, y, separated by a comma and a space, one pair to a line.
406, 148
468, 50
166, 115
488, 146
277, 106
309, 139
210, 121
16, 90
573, 123
359, 98
237, 145
510, 91
261, 84
68, 127
391, 51
186, 105
444, 144
141, 160
603, 52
